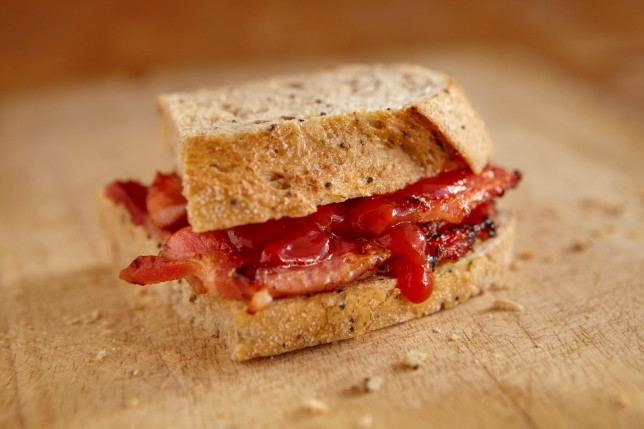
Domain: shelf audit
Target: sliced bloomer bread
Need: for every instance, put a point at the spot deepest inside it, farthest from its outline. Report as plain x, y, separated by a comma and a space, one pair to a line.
283, 146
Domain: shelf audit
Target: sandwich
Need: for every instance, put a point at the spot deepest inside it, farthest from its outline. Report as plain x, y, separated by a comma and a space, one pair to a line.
312, 208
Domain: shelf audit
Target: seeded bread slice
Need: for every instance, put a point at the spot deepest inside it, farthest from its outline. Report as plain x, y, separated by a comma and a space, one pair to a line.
293, 323
283, 146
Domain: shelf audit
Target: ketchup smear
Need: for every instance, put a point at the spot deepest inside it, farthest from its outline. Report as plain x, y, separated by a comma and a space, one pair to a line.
431, 220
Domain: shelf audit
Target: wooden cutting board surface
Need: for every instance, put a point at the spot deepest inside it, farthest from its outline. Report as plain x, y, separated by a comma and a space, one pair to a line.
76, 352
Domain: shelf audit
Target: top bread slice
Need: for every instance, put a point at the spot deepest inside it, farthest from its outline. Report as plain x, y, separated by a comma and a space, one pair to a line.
281, 147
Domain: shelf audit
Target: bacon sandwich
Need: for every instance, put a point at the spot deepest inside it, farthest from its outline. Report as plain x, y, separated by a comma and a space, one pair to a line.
313, 208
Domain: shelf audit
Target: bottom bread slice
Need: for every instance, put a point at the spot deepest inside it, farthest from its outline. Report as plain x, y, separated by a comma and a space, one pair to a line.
297, 322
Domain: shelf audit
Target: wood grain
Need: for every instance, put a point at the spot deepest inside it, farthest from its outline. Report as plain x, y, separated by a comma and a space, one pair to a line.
76, 350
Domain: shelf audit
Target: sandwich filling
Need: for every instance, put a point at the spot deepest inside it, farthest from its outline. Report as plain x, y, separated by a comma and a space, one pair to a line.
404, 235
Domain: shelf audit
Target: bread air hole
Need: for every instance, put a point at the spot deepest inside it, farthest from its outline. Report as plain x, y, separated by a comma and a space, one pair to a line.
278, 181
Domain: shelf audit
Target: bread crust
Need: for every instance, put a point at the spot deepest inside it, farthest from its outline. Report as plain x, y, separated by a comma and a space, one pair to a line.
297, 322
283, 146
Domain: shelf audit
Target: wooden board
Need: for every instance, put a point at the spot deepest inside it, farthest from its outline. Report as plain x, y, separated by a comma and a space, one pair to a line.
75, 352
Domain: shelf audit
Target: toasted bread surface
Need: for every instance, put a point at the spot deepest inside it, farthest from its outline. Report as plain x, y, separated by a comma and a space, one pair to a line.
292, 323
283, 146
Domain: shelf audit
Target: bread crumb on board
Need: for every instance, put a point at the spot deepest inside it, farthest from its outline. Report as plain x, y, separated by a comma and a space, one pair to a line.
365, 421
100, 356
369, 385
436, 330
315, 406
414, 359
454, 337
501, 304
373, 384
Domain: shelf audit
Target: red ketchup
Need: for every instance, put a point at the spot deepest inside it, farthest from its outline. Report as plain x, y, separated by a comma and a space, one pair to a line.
407, 243
387, 221
431, 220
339, 228
302, 246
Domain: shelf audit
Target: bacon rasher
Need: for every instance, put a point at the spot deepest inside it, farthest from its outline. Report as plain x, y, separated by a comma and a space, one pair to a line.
405, 233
